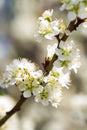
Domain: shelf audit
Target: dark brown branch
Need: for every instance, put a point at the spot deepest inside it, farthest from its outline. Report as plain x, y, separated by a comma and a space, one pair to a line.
49, 64
13, 111
71, 27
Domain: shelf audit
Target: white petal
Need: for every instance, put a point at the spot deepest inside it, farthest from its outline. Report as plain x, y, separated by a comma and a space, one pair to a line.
26, 94
71, 16
84, 24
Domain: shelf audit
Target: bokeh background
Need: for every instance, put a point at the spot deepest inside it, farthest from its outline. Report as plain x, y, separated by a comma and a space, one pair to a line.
18, 23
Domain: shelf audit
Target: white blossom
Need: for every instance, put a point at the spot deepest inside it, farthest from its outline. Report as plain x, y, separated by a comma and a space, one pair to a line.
52, 93
53, 84
47, 14
25, 75
49, 28
51, 50
75, 8
56, 98
62, 78
68, 57
84, 24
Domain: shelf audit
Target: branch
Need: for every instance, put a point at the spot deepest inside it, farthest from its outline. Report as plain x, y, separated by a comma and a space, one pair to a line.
71, 27
15, 109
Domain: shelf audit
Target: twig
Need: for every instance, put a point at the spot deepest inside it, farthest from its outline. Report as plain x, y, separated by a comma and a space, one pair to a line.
16, 108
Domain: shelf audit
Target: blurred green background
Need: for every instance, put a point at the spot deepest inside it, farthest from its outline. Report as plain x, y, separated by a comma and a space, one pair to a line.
18, 23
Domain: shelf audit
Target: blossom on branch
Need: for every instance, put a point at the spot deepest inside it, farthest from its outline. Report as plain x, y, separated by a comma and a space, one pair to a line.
68, 56
52, 92
51, 50
75, 8
23, 74
53, 88
85, 24
49, 28
62, 57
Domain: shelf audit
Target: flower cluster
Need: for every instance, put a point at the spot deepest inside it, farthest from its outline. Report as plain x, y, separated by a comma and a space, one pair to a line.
49, 28
52, 92
68, 56
76, 8
30, 80
51, 51
26, 75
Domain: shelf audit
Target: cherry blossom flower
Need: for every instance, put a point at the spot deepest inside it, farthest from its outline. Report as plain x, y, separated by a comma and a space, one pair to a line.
25, 75
49, 28
51, 50
75, 8
68, 57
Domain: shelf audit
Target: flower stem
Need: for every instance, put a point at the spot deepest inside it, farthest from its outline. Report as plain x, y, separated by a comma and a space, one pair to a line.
15, 109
